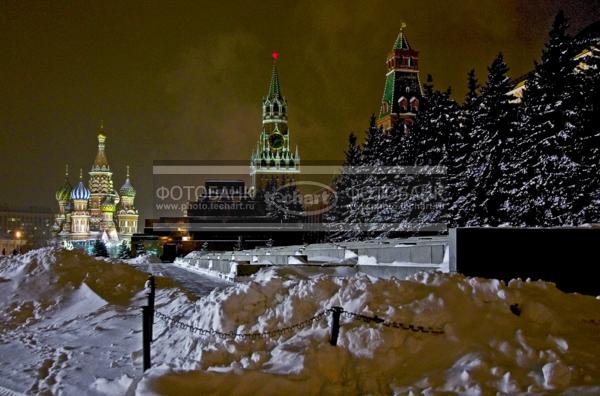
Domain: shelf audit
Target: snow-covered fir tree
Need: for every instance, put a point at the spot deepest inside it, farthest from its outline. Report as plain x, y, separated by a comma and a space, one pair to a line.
367, 198
546, 169
124, 252
345, 183
588, 206
493, 145
461, 149
99, 249
435, 131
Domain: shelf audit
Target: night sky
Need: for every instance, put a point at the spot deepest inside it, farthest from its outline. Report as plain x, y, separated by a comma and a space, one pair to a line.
184, 80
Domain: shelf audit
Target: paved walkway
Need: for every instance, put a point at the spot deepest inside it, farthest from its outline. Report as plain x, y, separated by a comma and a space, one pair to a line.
194, 282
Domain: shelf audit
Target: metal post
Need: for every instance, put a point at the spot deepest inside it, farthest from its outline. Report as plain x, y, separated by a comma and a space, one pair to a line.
151, 294
152, 291
146, 337
335, 324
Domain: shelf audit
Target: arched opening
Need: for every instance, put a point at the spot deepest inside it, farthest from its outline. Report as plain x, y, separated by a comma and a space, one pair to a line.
403, 103
414, 104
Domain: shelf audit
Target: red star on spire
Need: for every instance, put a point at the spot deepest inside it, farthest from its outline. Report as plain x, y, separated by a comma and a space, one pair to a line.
275, 55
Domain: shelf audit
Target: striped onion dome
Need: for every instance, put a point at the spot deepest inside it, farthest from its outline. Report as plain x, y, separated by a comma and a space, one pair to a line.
63, 193
80, 192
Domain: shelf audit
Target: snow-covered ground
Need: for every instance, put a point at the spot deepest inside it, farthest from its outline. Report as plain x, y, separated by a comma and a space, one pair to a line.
70, 324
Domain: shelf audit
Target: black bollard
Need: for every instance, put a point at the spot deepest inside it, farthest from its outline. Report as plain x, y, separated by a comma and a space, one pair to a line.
151, 294
146, 337
335, 324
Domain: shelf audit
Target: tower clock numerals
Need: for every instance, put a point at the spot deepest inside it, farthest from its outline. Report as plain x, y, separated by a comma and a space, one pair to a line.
276, 140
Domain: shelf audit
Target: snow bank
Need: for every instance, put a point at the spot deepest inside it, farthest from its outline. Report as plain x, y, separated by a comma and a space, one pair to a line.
548, 340
70, 324
36, 284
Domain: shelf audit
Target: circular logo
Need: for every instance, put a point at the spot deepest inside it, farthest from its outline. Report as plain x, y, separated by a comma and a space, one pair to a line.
304, 198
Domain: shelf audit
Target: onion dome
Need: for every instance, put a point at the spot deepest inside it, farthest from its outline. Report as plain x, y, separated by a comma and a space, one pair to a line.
108, 205
127, 189
80, 192
63, 193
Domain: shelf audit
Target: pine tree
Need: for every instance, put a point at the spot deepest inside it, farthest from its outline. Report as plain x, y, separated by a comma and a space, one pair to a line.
548, 158
461, 149
587, 205
366, 196
124, 252
472, 90
493, 136
345, 182
434, 131
100, 249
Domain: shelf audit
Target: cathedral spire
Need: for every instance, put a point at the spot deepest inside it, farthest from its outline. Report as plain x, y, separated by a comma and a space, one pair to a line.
101, 162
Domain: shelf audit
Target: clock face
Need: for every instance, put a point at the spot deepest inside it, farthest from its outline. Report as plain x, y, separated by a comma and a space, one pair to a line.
276, 140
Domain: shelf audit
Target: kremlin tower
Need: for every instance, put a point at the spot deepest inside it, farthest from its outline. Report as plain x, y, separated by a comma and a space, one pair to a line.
402, 92
273, 157
96, 211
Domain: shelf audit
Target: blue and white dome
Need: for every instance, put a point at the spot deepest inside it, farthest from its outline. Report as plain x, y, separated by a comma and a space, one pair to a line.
80, 192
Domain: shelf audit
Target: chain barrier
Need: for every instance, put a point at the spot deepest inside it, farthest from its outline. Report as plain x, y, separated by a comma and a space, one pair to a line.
297, 326
233, 334
395, 325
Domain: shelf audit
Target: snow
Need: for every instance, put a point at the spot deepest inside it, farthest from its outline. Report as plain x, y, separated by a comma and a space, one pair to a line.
70, 324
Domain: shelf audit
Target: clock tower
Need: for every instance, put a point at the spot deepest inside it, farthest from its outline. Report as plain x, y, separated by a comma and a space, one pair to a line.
273, 157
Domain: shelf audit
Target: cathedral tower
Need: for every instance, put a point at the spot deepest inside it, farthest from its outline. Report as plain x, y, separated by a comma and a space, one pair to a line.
273, 156
402, 92
100, 185
80, 218
127, 214
63, 196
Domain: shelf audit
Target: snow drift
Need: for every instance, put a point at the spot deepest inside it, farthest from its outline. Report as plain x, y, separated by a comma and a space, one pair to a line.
547, 340
70, 324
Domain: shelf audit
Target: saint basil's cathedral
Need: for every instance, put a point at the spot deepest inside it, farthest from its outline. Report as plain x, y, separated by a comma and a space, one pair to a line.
96, 211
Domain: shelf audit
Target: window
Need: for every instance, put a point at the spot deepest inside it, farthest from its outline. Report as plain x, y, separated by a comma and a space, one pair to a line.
414, 104
275, 108
403, 103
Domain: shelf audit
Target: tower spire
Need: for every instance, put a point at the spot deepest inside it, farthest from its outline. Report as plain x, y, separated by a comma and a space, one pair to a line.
401, 42
66, 171
101, 162
274, 87
128, 171
80, 174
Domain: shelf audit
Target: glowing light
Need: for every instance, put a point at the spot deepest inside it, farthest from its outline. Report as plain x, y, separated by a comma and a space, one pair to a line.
275, 55
18, 234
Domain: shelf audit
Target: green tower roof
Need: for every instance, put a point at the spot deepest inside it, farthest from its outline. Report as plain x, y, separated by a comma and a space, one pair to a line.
401, 42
